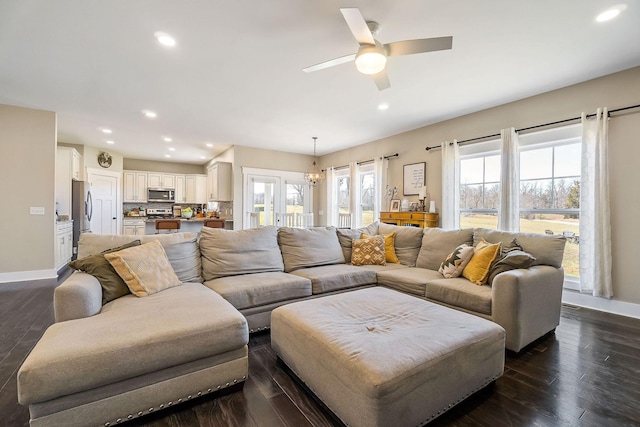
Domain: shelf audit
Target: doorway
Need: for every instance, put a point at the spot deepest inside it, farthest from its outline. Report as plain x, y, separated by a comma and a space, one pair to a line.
107, 208
274, 197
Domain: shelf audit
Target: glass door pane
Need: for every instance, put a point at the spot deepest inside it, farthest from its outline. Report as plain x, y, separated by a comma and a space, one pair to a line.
264, 198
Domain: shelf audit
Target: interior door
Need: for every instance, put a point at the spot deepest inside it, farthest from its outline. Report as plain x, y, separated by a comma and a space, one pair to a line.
104, 193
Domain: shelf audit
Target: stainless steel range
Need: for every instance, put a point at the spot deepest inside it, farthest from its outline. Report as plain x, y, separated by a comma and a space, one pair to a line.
159, 213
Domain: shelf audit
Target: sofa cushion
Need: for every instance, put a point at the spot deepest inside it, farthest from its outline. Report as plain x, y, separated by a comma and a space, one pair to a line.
346, 236
130, 337
97, 265
546, 249
408, 241
90, 243
145, 269
386, 267
309, 247
329, 278
369, 251
185, 259
484, 255
251, 290
456, 261
228, 252
437, 243
411, 280
460, 292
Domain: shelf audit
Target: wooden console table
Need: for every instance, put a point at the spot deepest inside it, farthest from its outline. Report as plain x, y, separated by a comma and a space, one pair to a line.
412, 219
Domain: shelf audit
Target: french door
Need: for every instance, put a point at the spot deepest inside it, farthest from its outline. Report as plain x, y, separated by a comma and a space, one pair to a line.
274, 197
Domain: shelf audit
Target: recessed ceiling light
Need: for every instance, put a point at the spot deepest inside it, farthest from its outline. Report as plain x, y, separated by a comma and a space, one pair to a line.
149, 114
209, 144
165, 39
167, 139
167, 155
105, 130
202, 157
172, 149
110, 142
611, 13
383, 106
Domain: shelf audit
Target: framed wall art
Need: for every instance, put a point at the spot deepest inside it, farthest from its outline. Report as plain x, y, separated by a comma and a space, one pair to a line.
414, 178
395, 205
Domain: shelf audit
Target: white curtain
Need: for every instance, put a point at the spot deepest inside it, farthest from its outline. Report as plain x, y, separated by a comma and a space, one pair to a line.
595, 227
332, 202
508, 215
450, 210
380, 167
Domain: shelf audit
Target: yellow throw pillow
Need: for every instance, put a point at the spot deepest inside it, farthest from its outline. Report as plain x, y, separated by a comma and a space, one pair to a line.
477, 270
145, 269
389, 246
368, 251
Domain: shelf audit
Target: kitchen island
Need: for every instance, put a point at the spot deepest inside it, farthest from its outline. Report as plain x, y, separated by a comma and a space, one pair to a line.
144, 225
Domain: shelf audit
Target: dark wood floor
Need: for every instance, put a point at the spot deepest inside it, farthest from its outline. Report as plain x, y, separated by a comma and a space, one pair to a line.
586, 374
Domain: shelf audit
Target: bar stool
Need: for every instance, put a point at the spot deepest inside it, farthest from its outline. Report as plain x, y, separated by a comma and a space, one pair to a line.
168, 225
214, 223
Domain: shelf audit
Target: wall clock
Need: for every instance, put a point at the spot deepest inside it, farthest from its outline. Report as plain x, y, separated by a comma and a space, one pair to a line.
104, 159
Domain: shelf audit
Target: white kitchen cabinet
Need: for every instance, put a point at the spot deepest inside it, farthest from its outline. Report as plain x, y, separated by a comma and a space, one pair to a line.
133, 227
181, 189
196, 189
67, 170
64, 243
161, 180
134, 187
219, 181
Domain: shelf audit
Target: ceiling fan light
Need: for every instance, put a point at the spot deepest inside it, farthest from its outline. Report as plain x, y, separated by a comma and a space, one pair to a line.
370, 59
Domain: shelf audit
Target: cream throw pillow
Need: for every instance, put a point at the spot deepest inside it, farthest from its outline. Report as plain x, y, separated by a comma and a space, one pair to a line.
368, 251
145, 269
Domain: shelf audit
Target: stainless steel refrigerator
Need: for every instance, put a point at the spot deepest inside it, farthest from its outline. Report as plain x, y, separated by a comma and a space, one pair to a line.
81, 211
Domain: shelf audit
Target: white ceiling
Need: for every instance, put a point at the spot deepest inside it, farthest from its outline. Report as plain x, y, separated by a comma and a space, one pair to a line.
235, 76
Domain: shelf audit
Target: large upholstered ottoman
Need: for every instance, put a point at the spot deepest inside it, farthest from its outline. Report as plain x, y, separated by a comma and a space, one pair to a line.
378, 357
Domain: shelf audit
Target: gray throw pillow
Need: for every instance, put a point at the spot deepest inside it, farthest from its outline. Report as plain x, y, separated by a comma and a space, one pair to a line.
512, 260
113, 286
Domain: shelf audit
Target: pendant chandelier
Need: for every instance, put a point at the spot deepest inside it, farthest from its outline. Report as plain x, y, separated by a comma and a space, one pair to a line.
314, 175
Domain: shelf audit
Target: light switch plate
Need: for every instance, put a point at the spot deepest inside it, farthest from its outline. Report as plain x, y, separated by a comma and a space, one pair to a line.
37, 210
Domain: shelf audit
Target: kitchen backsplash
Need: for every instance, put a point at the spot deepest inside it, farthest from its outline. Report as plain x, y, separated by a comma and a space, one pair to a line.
224, 209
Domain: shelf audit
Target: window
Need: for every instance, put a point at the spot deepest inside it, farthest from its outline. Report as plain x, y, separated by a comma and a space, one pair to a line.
550, 189
366, 194
480, 187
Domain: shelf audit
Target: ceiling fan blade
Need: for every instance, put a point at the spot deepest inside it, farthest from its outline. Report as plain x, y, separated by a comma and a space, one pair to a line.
357, 25
409, 47
330, 63
382, 80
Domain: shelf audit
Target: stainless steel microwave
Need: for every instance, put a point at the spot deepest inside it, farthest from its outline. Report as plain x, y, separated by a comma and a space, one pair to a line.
161, 195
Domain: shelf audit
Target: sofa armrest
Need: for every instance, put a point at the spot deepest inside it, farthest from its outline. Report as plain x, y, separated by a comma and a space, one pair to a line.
77, 297
526, 303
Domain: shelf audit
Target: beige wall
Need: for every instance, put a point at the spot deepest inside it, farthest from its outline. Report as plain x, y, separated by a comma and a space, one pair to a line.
262, 159
27, 168
168, 167
612, 91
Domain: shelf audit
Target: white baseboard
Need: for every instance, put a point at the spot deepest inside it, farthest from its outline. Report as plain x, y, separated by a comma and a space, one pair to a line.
23, 276
601, 304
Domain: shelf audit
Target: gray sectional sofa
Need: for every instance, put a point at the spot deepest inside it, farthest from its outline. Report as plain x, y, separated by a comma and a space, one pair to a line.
103, 364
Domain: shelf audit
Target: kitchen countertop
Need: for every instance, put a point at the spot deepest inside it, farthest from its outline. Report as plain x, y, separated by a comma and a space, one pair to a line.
145, 219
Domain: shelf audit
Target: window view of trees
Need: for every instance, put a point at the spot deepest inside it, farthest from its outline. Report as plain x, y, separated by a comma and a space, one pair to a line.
367, 197
549, 193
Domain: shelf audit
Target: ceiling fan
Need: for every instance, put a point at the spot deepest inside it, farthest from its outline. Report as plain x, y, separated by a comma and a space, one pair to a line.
371, 57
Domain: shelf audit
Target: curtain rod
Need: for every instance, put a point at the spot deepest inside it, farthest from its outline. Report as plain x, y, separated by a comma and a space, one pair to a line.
364, 162
537, 126
391, 156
